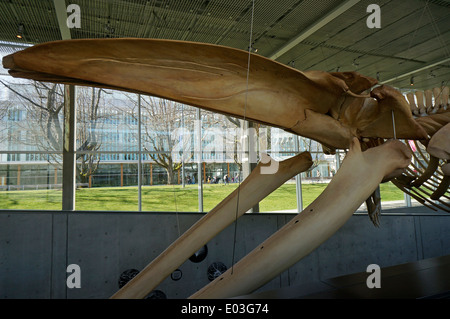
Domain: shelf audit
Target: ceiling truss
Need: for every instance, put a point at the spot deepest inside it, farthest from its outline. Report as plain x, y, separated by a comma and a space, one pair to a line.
328, 35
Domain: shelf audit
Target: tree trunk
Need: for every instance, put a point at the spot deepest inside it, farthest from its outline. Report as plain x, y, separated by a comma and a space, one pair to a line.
171, 175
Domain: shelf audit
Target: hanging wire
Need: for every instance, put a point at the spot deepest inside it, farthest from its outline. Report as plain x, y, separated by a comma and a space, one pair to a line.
176, 209
426, 9
393, 125
439, 37
176, 206
244, 118
436, 29
421, 161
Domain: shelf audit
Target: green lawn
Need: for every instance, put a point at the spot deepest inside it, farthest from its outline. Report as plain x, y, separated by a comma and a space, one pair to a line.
165, 198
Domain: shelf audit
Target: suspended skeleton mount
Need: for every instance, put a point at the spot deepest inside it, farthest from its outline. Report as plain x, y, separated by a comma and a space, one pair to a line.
381, 128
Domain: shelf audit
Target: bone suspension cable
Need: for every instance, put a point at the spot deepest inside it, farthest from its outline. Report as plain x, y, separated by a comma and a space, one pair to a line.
393, 125
250, 45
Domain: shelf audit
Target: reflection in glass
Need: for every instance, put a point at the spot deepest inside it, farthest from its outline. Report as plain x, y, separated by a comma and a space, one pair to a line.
31, 126
31, 116
108, 153
30, 184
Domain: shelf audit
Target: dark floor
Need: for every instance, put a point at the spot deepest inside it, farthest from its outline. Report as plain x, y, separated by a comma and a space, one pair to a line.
424, 279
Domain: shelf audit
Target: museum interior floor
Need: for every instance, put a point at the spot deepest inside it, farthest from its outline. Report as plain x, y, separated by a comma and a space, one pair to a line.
424, 279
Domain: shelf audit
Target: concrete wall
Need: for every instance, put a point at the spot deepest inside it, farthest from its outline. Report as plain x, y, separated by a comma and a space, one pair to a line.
35, 248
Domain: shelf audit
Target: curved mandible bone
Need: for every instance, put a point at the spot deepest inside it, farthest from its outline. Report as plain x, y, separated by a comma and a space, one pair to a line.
253, 189
357, 178
212, 77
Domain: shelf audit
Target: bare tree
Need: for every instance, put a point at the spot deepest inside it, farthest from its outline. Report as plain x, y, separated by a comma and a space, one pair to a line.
88, 117
44, 122
5, 108
164, 132
235, 140
43, 103
262, 136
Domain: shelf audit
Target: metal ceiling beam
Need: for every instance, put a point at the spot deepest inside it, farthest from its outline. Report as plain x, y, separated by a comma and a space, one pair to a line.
428, 66
13, 45
313, 28
69, 143
61, 15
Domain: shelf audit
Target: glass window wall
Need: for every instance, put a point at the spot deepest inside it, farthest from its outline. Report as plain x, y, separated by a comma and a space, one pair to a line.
137, 152
31, 128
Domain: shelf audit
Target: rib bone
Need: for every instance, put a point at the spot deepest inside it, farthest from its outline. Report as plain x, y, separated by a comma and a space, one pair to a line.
420, 102
438, 100
429, 101
359, 175
412, 103
445, 97
439, 146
